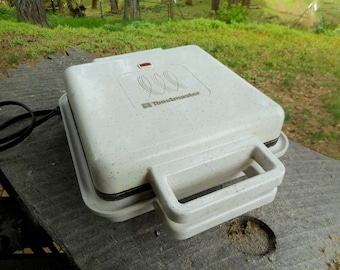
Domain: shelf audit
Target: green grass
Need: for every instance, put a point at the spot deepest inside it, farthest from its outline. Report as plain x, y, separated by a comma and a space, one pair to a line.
89, 23
332, 104
297, 68
7, 13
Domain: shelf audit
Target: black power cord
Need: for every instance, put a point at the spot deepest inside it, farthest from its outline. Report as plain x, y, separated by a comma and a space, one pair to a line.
20, 135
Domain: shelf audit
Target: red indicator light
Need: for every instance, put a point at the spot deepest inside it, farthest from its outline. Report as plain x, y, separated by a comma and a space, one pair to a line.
146, 64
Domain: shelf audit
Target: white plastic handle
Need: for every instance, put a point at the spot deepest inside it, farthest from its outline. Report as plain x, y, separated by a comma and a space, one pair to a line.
205, 170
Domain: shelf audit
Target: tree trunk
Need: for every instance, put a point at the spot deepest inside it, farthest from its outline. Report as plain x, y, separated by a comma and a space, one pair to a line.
135, 9
127, 4
172, 9
215, 4
131, 10
114, 6
32, 11
94, 4
61, 6
53, 6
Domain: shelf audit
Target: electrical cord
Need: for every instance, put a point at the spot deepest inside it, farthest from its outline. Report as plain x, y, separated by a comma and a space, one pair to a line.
20, 135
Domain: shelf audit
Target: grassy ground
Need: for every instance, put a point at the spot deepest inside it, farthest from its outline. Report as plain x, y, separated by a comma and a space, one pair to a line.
299, 69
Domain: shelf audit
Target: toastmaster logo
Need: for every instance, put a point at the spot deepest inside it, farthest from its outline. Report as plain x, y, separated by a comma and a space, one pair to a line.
160, 102
158, 84
155, 86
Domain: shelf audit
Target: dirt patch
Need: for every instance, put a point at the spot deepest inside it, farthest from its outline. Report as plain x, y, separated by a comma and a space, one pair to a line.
251, 236
335, 264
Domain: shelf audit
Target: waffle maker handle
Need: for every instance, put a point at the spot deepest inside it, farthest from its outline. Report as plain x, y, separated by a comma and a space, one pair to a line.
232, 179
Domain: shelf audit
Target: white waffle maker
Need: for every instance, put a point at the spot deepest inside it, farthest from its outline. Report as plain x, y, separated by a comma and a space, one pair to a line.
174, 130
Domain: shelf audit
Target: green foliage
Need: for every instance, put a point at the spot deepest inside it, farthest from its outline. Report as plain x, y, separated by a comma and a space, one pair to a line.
330, 137
112, 27
89, 23
14, 59
236, 14
318, 135
140, 25
332, 104
7, 13
325, 28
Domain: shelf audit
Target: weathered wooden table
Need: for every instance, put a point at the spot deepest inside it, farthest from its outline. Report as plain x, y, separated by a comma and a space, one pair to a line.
305, 216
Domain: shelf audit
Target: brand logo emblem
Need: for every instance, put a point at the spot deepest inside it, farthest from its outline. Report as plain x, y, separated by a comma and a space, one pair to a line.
160, 102
157, 84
